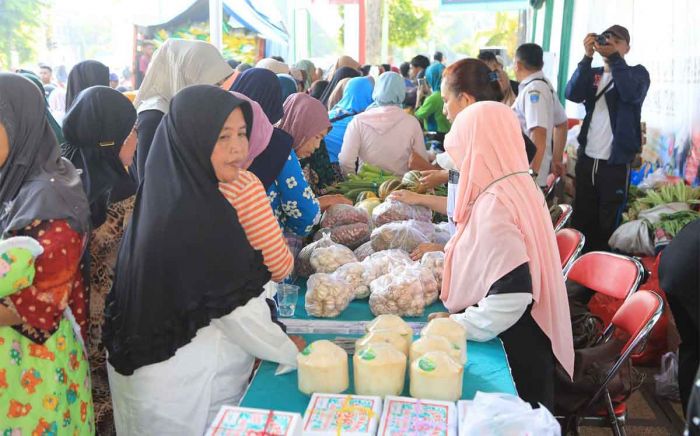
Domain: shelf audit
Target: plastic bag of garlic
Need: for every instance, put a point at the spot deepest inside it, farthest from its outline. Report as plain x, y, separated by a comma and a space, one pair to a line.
399, 293
327, 295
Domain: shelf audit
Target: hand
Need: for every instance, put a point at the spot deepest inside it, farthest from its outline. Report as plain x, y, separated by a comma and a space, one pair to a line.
417, 162
437, 315
298, 341
588, 44
423, 248
405, 196
606, 50
559, 169
433, 178
326, 201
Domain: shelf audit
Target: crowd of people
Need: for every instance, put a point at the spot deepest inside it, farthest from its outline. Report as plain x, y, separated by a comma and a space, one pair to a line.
166, 216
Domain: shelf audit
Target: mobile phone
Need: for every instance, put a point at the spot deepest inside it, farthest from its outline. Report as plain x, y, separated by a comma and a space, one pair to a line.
422, 82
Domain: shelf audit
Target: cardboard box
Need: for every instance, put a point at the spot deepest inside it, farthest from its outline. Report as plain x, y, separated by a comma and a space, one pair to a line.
356, 415
403, 416
241, 421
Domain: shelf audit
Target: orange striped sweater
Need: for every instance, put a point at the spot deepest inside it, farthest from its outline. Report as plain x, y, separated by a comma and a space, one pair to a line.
248, 197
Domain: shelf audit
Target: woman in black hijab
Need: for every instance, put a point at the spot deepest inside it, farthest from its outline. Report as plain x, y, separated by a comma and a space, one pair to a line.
84, 75
318, 88
262, 86
185, 315
339, 75
96, 128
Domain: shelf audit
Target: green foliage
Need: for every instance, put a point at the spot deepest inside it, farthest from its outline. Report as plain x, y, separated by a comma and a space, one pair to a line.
503, 34
341, 30
407, 23
19, 20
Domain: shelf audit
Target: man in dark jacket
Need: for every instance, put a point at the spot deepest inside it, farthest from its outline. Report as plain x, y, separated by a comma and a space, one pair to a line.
610, 135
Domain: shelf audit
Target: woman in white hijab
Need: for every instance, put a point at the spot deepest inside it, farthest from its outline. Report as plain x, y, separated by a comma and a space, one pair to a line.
273, 65
178, 63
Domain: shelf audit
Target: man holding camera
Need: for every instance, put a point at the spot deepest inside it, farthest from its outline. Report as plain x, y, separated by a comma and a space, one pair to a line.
610, 135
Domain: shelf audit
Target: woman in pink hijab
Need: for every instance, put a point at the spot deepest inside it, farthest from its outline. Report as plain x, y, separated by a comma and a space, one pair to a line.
503, 256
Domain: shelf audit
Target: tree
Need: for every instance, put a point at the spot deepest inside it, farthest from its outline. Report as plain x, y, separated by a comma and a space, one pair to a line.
407, 23
503, 34
19, 20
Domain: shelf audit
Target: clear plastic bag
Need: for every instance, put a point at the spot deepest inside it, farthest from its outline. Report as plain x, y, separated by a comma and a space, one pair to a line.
397, 294
667, 380
441, 234
302, 264
504, 414
328, 259
430, 286
404, 235
435, 261
364, 251
342, 214
350, 235
327, 296
354, 275
382, 262
392, 210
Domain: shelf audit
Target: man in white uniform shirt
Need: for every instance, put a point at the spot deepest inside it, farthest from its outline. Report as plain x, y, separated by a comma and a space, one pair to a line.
541, 115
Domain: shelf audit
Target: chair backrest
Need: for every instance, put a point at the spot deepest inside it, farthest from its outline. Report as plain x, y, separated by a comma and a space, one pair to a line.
636, 317
610, 274
570, 243
566, 212
552, 181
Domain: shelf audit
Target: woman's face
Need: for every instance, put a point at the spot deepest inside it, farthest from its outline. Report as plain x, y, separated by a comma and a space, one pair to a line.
231, 148
453, 103
311, 145
126, 154
4, 145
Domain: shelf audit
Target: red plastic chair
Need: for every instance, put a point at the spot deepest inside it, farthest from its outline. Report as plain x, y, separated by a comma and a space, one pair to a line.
566, 212
570, 243
610, 274
636, 318
552, 181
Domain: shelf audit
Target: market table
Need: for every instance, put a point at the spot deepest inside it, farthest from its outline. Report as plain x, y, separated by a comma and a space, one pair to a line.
486, 370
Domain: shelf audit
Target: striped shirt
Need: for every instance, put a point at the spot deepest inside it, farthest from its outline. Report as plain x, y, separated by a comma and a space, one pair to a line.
248, 197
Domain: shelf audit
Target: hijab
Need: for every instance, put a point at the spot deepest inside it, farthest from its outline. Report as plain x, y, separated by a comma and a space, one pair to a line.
342, 62
262, 86
179, 268
84, 75
95, 128
340, 74
390, 90
309, 68
179, 63
260, 129
502, 222
49, 117
318, 88
337, 93
433, 75
304, 118
288, 85
35, 182
356, 97
273, 65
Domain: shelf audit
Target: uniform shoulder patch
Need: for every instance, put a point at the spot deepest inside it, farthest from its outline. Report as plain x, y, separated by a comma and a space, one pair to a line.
534, 96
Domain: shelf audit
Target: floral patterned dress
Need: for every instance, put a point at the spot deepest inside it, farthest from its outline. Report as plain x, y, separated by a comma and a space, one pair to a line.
44, 375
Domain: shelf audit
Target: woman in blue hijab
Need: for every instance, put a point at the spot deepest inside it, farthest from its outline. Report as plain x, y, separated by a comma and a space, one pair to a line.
356, 98
288, 84
430, 112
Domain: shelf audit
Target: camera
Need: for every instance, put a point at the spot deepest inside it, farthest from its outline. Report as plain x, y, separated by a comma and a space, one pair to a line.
601, 40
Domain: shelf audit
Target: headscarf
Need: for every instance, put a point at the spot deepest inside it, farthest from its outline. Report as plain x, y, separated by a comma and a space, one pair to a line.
309, 68
273, 65
390, 90
337, 93
184, 259
356, 97
304, 118
318, 88
35, 182
179, 63
95, 128
262, 86
260, 129
433, 75
485, 142
339, 75
84, 75
288, 85
49, 117
342, 62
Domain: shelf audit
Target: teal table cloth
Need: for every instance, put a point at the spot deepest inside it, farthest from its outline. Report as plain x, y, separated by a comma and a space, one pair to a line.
487, 370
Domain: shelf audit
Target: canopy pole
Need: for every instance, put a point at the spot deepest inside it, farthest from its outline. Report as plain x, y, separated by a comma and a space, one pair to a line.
216, 19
